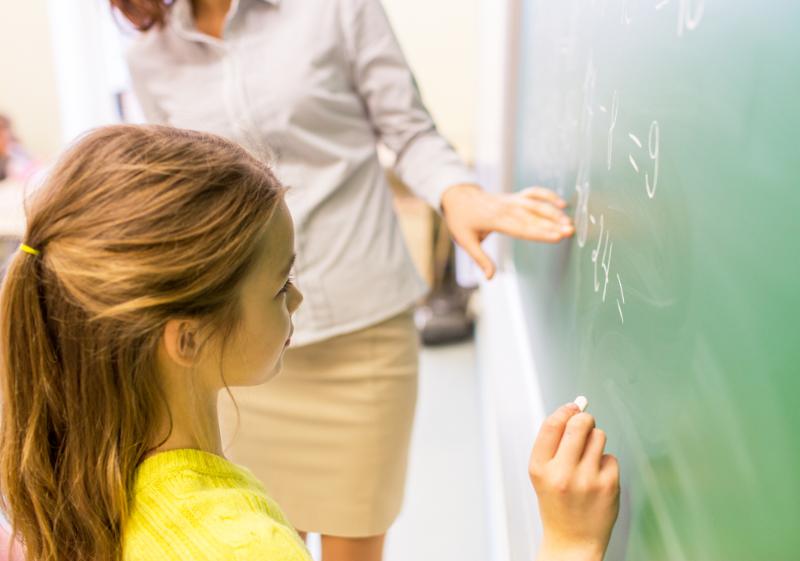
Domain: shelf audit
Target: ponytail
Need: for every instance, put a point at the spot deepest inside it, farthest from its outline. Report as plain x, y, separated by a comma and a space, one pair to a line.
42, 460
133, 227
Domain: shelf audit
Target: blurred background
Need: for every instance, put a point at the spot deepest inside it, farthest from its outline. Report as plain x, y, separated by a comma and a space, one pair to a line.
62, 72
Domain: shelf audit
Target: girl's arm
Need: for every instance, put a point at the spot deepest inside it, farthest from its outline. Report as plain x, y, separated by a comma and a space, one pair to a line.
577, 485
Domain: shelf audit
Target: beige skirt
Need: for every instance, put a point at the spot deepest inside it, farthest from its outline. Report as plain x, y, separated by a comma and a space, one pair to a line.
329, 435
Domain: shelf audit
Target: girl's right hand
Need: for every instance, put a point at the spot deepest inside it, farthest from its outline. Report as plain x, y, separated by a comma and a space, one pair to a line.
577, 486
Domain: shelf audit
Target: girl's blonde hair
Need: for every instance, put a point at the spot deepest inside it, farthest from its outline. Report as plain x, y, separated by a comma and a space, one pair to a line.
135, 225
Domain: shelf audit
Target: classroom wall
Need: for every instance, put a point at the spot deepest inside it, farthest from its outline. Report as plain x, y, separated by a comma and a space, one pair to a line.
27, 76
440, 41
511, 399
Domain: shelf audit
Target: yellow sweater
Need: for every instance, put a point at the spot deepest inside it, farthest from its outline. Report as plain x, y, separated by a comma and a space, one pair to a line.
192, 505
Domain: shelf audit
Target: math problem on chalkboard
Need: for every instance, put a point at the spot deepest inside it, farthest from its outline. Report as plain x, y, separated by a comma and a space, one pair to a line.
670, 127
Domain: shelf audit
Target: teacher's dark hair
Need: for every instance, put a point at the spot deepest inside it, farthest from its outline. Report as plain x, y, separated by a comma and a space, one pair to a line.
144, 14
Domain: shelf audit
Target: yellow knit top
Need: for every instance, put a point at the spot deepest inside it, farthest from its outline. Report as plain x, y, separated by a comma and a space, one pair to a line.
192, 505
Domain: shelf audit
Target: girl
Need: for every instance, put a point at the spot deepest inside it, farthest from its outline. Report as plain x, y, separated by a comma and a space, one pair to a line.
320, 82
154, 274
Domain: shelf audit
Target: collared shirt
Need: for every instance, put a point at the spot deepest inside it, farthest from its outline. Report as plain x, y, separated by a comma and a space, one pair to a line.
312, 86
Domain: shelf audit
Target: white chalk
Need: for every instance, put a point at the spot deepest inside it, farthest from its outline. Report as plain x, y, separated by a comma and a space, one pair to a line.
581, 402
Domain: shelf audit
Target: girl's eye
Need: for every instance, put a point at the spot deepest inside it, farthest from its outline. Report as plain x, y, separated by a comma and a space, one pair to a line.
286, 286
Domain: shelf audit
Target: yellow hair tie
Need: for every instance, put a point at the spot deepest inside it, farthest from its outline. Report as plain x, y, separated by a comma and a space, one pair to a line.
29, 249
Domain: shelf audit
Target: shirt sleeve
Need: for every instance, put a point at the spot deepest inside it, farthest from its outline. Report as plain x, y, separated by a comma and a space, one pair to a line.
425, 160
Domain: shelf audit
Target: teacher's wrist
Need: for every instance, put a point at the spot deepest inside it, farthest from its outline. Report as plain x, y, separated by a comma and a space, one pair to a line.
458, 192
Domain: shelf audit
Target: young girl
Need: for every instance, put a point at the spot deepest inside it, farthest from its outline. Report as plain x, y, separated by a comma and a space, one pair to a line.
155, 273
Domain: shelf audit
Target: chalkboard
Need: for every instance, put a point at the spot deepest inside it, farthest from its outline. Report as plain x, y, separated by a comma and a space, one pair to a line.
672, 128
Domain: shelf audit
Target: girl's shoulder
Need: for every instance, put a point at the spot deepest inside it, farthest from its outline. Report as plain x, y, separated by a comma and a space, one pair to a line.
205, 508
210, 534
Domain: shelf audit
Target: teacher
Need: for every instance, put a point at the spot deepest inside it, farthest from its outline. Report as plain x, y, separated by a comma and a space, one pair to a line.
312, 86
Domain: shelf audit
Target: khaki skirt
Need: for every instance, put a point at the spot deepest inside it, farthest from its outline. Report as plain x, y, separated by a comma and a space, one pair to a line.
329, 435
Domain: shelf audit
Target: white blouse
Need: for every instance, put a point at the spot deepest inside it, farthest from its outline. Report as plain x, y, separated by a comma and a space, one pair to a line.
312, 86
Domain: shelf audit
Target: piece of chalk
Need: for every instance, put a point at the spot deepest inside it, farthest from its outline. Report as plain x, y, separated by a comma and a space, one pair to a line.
581, 402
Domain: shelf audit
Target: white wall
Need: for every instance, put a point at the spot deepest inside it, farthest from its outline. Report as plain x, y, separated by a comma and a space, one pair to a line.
440, 41
89, 67
27, 75
512, 411
512, 407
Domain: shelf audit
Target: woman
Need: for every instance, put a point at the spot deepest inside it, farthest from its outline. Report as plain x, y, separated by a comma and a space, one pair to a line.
155, 273
319, 82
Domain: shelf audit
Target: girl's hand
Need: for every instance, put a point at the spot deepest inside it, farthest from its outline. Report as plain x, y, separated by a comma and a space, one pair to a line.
577, 486
533, 214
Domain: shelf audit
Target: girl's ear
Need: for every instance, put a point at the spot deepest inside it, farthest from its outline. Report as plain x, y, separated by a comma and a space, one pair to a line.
181, 341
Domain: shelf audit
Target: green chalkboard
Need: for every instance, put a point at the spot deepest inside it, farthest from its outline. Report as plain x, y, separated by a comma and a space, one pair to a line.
673, 128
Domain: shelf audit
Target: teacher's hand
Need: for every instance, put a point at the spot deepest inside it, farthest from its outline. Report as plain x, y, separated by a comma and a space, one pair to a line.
471, 214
